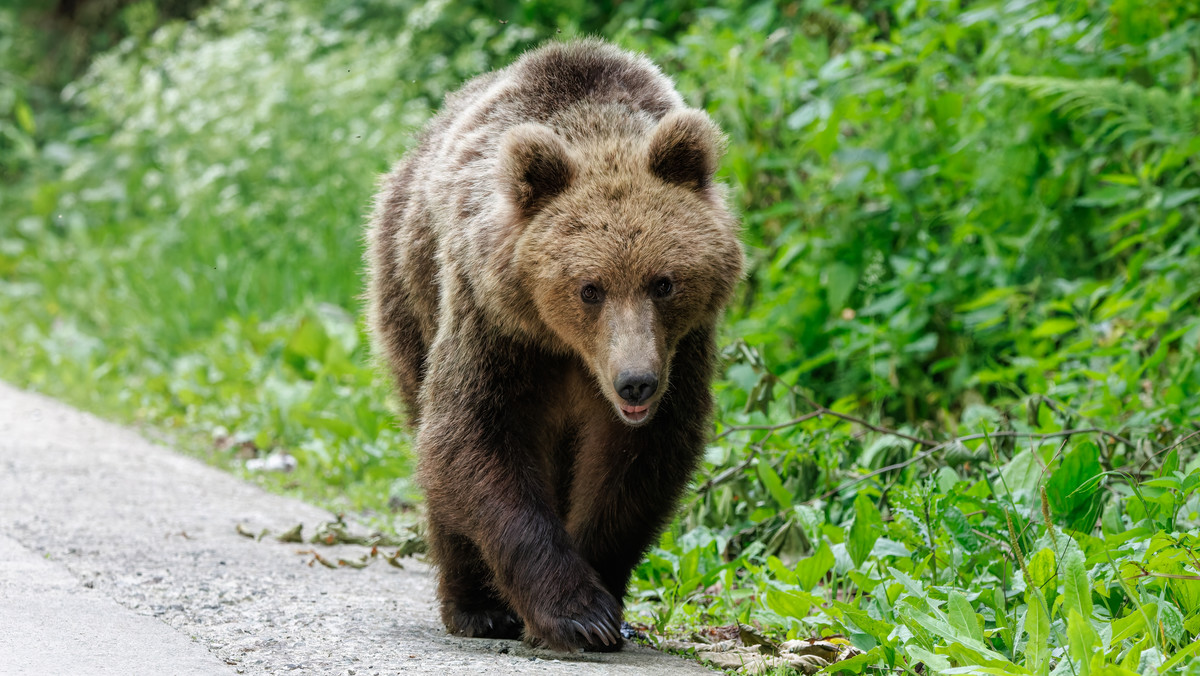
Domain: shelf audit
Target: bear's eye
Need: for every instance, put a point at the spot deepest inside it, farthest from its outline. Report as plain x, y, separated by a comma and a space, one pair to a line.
591, 294
662, 287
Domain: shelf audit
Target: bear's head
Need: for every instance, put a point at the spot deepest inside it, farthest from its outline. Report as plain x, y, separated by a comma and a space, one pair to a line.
625, 245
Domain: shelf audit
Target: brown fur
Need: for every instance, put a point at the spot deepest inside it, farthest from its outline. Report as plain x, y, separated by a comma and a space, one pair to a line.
555, 237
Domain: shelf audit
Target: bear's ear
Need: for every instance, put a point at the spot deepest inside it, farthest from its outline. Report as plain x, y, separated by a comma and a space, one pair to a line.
686, 148
534, 166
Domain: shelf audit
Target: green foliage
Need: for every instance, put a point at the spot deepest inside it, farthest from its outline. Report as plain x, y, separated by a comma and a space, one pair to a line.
974, 235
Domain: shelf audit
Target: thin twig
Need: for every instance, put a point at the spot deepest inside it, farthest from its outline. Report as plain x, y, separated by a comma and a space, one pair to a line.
957, 440
821, 411
725, 475
1168, 449
1179, 443
1041, 482
1000, 544
931, 445
795, 421
854, 419
1171, 576
755, 448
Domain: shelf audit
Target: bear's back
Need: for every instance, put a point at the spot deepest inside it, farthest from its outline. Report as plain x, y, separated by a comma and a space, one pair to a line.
539, 87
559, 76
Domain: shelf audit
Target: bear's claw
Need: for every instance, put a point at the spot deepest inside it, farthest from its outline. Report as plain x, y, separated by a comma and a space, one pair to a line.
591, 621
593, 633
486, 624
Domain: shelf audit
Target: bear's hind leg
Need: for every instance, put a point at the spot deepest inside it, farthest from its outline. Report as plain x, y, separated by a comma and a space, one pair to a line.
470, 605
406, 351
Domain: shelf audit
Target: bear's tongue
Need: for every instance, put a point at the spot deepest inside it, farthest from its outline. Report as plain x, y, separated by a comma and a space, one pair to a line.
634, 413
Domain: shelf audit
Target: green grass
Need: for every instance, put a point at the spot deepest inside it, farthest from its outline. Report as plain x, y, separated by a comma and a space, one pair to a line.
971, 230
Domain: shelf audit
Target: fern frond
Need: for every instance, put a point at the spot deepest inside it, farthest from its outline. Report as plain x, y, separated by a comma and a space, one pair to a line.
1123, 108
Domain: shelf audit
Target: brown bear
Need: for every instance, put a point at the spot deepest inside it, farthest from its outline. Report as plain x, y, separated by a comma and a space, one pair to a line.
546, 269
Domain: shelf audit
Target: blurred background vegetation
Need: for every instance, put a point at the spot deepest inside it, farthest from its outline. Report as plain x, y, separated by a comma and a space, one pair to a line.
972, 226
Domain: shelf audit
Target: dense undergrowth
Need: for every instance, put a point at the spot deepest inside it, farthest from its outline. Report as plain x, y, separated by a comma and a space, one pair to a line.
961, 386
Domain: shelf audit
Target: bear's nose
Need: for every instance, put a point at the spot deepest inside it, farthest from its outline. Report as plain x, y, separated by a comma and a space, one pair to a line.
635, 388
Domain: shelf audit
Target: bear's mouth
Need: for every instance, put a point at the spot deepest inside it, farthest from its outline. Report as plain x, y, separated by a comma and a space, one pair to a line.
634, 415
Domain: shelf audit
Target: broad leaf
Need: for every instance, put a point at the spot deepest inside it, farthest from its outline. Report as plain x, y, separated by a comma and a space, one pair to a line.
811, 570
1077, 589
962, 616
1037, 626
866, 530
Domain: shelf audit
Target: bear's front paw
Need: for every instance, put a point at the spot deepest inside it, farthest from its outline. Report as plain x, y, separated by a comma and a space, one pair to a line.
590, 619
483, 623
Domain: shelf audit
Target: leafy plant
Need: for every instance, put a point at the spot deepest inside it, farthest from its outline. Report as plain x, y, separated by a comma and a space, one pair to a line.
957, 412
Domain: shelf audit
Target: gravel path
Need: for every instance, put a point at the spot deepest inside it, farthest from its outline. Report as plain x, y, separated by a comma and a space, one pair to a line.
119, 556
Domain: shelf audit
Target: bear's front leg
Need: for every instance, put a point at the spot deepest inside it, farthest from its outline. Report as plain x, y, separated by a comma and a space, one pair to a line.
628, 480
481, 443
